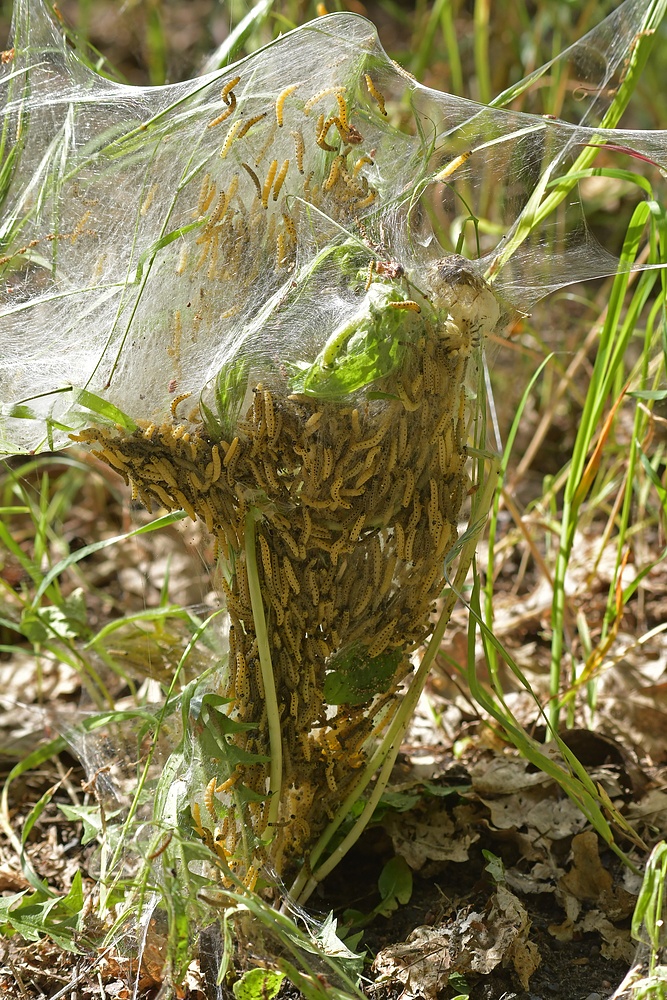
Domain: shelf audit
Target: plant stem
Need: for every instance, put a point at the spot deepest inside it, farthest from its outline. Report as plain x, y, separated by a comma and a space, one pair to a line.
271, 700
614, 339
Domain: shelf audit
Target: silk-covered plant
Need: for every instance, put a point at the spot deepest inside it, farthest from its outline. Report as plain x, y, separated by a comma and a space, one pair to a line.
261, 297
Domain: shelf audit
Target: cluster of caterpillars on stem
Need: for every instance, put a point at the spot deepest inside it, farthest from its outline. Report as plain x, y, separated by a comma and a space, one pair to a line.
359, 506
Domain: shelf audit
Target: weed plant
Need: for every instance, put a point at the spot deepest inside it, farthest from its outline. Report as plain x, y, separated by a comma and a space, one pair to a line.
334, 481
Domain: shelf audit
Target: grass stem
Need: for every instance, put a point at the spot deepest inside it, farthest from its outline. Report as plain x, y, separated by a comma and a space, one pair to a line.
271, 700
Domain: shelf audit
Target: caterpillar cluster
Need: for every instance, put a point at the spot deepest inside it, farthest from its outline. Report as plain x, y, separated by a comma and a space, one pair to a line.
359, 507
238, 225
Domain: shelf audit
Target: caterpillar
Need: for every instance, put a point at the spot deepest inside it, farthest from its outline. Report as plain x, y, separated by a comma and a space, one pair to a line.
453, 165
288, 570
280, 179
375, 94
242, 678
226, 92
322, 130
310, 104
229, 139
178, 399
407, 304
266, 558
368, 200
254, 178
382, 639
299, 149
224, 116
334, 173
280, 102
249, 124
231, 452
409, 488
268, 183
342, 110
288, 222
360, 163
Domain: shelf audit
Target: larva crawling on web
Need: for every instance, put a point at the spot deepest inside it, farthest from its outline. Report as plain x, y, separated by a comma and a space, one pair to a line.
209, 798
224, 116
375, 94
268, 183
310, 104
177, 400
280, 179
342, 111
299, 148
229, 138
226, 95
453, 165
334, 173
249, 124
254, 178
280, 102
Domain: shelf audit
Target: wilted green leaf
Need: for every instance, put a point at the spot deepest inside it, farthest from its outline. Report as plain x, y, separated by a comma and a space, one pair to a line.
354, 679
258, 984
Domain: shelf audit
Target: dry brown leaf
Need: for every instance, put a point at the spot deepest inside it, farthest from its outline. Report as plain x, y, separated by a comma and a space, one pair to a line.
540, 810
12, 881
616, 942
429, 835
564, 931
587, 879
504, 775
542, 878
471, 942
422, 964
588, 882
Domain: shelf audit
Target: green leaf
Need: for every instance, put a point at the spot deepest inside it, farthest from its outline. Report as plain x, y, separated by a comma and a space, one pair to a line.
395, 885
367, 346
458, 982
22, 412
648, 920
655, 479
331, 944
73, 901
228, 389
26, 867
398, 801
90, 816
33, 626
649, 394
258, 984
442, 791
354, 679
494, 867
215, 732
215, 701
76, 610
103, 408
42, 623
39, 915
